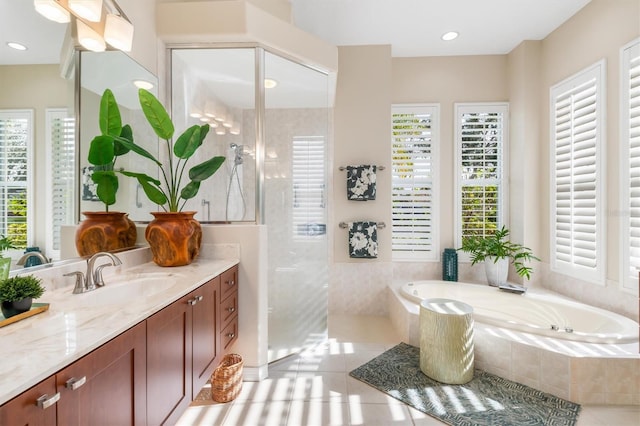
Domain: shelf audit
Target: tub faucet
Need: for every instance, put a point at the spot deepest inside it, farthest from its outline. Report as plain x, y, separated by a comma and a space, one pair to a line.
92, 279
23, 260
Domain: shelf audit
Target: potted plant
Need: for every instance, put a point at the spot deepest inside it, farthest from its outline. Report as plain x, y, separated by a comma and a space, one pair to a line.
497, 251
17, 294
106, 230
5, 262
174, 236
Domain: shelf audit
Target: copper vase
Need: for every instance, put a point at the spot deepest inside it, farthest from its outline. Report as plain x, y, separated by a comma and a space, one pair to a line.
174, 238
104, 231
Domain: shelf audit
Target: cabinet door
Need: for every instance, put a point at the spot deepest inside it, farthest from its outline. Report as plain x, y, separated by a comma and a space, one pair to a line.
169, 366
107, 386
205, 316
24, 409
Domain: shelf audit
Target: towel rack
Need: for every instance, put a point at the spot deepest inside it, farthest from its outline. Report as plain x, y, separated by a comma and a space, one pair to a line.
344, 225
342, 168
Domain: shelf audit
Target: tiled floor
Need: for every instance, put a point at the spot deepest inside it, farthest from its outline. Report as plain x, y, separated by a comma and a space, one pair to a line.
314, 388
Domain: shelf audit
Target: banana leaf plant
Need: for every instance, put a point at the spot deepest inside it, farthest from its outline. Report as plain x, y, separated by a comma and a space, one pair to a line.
117, 140
105, 149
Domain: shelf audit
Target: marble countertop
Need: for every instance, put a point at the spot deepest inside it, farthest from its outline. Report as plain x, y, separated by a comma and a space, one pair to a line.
75, 324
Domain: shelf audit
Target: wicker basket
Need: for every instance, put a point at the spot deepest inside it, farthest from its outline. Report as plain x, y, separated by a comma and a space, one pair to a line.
226, 380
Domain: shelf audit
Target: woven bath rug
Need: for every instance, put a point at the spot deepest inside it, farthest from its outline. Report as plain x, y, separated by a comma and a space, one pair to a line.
485, 400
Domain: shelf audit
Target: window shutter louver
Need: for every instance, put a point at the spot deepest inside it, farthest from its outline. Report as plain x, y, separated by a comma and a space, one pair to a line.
308, 177
575, 188
631, 147
481, 132
61, 131
413, 193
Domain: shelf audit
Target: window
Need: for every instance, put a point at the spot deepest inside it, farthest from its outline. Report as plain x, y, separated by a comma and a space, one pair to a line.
414, 182
16, 136
481, 136
60, 144
630, 149
308, 177
577, 231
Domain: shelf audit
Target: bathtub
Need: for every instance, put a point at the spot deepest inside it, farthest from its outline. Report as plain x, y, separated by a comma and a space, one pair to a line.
537, 313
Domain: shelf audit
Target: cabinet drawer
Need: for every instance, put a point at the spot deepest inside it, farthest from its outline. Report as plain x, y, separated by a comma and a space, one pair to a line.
229, 308
229, 334
228, 282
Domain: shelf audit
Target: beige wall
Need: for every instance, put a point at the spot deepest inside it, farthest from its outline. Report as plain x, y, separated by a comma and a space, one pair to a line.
362, 128
446, 80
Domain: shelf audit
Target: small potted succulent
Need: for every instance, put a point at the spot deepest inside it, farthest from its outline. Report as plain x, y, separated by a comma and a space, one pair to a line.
497, 251
17, 294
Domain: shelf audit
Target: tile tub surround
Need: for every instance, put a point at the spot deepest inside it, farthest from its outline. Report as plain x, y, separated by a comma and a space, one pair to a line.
585, 373
38, 347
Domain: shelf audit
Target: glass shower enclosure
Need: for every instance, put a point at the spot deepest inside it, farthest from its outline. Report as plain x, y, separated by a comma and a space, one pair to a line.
269, 116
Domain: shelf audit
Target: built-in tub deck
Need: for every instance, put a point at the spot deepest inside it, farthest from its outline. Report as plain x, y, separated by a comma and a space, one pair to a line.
582, 372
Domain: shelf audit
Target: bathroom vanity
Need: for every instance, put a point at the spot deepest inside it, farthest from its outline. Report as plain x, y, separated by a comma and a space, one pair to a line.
138, 360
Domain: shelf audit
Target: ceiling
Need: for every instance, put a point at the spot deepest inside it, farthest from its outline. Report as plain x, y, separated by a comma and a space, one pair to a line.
411, 27
414, 27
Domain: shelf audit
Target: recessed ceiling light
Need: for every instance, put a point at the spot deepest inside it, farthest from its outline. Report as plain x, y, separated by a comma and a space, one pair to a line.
451, 35
143, 84
17, 46
269, 83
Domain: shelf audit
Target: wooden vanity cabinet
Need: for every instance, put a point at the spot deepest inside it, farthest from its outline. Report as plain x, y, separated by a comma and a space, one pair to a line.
181, 351
147, 375
24, 409
228, 308
107, 386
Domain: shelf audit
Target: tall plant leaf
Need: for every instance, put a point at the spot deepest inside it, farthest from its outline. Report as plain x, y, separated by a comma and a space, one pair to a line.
190, 190
157, 116
187, 142
109, 119
101, 151
206, 169
138, 149
150, 186
106, 186
118, 148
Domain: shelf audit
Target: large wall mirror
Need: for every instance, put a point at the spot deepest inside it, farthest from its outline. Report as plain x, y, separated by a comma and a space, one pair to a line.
42, 115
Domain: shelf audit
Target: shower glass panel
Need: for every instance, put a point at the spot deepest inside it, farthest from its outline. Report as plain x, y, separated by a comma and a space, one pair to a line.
217, 87
296, 129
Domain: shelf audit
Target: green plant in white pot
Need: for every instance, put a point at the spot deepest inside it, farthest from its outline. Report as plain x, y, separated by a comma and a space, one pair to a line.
497, 252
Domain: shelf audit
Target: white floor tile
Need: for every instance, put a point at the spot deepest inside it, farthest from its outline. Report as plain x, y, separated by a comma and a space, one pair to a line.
314, 388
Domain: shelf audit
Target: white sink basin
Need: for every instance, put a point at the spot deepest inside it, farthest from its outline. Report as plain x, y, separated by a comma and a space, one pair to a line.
127, 289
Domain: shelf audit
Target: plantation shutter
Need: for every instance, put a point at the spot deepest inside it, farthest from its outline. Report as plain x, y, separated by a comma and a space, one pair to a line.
16, 133
481, 136
575, 190
308, 178
413, 214
61, 134
631, 144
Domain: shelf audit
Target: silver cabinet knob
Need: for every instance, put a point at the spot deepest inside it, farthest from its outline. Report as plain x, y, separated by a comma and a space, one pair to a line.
46, 401
74, 383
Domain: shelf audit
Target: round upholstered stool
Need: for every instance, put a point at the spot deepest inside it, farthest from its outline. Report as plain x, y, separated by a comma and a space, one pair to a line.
446, 340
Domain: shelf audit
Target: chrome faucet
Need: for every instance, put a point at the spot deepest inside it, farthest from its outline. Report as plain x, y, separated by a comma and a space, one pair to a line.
92, 279
23, 260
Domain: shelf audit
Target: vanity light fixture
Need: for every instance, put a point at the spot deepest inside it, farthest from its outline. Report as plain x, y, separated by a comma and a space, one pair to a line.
235, 129
448, 36
91, 10
52, 10
105, 20
88, 38
143, 84
220, 130
270, 83
118, 32
17, 46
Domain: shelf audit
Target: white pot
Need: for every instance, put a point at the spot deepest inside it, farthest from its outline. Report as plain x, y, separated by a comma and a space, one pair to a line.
496, 271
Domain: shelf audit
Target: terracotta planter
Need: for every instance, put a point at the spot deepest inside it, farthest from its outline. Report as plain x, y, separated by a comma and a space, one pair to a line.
174, 238
104, 231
